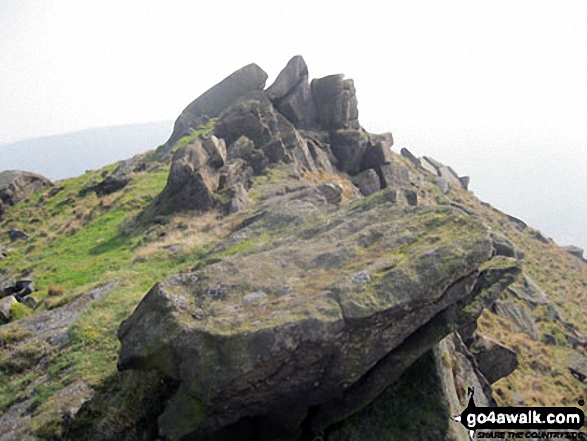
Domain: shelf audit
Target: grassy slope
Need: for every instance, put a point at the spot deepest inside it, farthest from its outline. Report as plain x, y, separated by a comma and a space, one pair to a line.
78, 243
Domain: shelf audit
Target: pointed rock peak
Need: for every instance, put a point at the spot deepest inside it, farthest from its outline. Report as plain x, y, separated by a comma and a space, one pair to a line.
292, 74
211, 103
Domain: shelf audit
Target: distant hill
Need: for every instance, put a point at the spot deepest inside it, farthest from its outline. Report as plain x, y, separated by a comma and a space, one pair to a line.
71, 154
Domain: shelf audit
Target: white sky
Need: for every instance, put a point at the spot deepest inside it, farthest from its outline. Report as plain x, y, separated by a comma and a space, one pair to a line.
497, 89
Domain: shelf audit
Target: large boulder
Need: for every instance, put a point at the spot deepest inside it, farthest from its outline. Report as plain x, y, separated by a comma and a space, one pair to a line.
326, 318
336, 103
192, 181
16, 185
520, 317
495, 361
212, 102
292, 74
575, 251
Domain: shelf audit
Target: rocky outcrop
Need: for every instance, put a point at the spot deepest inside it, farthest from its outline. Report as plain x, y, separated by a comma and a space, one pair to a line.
212, 102
16, 185
308, 332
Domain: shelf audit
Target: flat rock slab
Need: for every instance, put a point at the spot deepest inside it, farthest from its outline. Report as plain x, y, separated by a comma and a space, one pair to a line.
283, 320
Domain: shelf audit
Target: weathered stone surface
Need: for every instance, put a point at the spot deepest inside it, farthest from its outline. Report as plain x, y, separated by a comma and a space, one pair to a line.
336, 103
349, 147
425, 164
17, 185
190, 184
519, 316
6, 305
216, 149
212, 102
503, 247
292, 74
575, 251
325, 332
298, 107
377, 153
526, 289
495, 361
394, 175
410, 157
331, 192
368, 182
464, 180
577, 364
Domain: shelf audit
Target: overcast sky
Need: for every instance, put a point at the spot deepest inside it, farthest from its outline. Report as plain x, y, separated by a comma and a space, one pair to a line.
497, 89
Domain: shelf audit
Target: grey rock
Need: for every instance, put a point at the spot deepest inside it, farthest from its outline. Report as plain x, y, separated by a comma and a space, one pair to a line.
577, 365
17, 185
295, 72
575, 251
503, 247
6, 305
410, 157
349, 147
368, 182
442, 183
548, 339
377, 153
519, 316
212, 102
336, 103
241, 148
239, 199
216, 149
331, 192
526, 289
255, 297
495, 361
361, 277
269, 367
464, 180
395, 175
298, 107
425, 164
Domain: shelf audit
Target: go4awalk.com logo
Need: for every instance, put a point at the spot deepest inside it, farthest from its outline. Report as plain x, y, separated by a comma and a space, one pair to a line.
521, 422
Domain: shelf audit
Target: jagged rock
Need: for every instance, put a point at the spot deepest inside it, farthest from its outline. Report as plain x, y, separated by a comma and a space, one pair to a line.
495, 361
577, 364
29, 302
425, 164
299, 107
319, 338
503, 247
295, 72
239, 199
464, 180
241, 148
529, 291
15, 234
518, 223
349, 147
519, 316
394, 175
236, 172
442, 183
410, 157
216, 149
377, 153
253, 117
212, 102
575, 251
539, 236
331, 192
336, 103
190, 184
6, 305
16, 185
368, 182
319, 153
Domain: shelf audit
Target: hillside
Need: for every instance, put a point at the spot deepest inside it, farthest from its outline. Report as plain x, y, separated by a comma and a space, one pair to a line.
273, 272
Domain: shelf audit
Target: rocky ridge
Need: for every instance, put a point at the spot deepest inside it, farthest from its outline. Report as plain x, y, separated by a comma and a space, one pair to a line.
338, 300
312, 284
